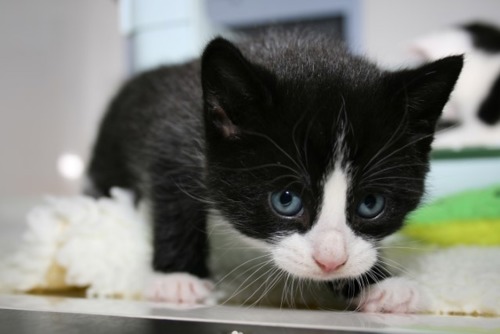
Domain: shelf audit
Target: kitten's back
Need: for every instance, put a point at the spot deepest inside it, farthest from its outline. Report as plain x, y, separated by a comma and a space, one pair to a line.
154, 116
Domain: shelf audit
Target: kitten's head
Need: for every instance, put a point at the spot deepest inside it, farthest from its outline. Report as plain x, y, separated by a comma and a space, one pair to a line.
316, 153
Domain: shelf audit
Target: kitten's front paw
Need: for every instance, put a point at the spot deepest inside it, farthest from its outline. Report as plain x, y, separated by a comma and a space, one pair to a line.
392, 295
179, 288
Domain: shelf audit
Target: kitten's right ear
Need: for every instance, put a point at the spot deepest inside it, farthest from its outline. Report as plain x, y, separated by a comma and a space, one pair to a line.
232, 87
426, 89
424, 92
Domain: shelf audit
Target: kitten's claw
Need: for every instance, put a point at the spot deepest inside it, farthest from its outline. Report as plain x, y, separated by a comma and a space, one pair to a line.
179, 288
392, 295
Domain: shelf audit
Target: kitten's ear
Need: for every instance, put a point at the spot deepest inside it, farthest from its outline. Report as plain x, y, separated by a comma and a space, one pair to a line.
232, 87
425, 91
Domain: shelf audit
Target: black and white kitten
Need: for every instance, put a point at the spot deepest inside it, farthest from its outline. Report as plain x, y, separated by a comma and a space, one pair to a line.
310, 152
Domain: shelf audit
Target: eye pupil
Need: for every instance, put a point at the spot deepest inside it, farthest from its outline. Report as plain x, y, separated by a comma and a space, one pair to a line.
370, 201
286, 198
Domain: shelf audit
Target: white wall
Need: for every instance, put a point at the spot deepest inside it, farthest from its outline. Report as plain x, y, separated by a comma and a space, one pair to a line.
390, 25
60, 61
165, 31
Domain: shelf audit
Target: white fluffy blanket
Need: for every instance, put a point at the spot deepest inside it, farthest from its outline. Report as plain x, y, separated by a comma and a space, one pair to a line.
105, 247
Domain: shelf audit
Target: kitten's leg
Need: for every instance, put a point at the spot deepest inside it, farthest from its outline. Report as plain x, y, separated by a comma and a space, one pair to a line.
179, 288
377, 291
180, 247
393, 295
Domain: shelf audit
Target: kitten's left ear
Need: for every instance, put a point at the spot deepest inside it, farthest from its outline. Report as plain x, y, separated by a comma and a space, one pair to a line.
426, 90
233, 89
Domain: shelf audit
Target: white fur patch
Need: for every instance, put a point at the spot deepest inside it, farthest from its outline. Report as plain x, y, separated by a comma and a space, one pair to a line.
330, 250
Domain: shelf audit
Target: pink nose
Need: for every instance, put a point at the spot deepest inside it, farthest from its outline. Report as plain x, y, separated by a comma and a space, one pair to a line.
329, 265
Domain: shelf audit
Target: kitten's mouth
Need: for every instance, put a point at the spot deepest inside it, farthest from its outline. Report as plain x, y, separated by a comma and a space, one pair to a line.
309, 268
343, 272
315, 272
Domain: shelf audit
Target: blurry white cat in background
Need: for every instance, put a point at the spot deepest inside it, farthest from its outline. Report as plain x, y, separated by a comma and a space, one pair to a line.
475, 103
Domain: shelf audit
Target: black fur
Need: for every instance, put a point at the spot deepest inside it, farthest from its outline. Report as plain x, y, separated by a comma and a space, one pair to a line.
487, 38
484, 36
266, 115
489, 111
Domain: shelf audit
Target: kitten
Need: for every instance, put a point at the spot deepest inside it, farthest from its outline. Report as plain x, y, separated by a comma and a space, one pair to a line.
304, 149
475, 103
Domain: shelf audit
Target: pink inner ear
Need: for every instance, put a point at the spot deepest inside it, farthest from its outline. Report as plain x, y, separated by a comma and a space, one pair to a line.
223, 123
229, 130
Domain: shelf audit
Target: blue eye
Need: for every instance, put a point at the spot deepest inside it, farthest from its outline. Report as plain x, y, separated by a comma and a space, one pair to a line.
286, 203
371, 206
